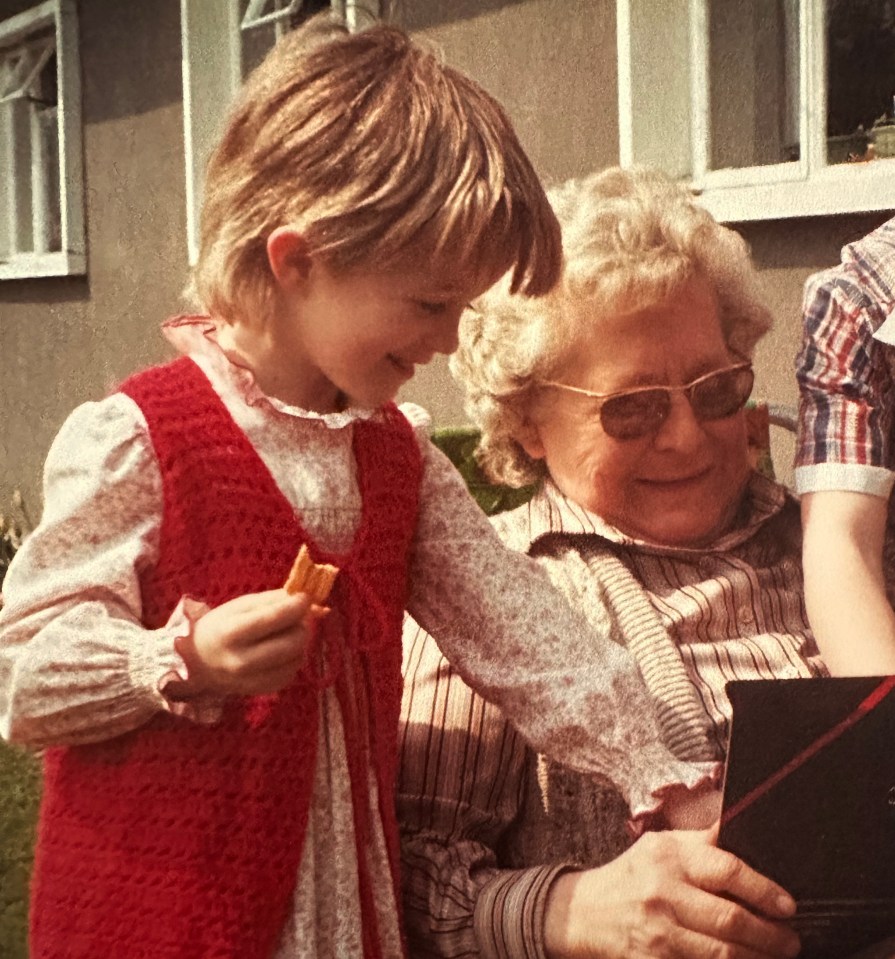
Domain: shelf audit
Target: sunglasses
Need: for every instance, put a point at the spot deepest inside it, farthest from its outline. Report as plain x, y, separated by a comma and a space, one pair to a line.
632, 414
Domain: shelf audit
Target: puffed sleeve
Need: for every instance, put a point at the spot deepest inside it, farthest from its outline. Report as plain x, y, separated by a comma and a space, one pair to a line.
845, 391
76, 664
574, 694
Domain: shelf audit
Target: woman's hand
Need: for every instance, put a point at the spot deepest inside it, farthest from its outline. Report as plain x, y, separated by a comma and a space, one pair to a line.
672, 895
250, 645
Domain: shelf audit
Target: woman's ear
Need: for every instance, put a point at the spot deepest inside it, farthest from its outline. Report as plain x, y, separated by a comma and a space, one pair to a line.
529, 439
289, 257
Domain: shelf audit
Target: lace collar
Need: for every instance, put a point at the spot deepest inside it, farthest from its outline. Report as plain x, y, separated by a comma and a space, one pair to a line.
196, 336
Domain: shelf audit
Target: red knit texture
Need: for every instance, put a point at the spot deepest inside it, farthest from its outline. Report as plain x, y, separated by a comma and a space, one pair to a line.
179, 841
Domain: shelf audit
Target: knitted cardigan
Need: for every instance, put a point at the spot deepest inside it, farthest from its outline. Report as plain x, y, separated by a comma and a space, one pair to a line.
183, 841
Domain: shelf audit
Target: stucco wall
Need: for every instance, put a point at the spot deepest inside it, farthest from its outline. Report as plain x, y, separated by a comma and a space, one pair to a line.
551, 62
67, 340
552, 65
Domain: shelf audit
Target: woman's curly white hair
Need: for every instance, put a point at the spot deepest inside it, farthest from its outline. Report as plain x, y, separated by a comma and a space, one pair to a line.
630, 238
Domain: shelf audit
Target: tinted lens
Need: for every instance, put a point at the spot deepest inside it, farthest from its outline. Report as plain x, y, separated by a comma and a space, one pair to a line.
631, 415
721, 394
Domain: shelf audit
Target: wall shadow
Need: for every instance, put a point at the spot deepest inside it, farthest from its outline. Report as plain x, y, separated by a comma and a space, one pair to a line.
424, 14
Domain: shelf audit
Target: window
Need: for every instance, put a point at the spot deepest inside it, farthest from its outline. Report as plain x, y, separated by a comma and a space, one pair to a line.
222, 43
771, 109
41, 173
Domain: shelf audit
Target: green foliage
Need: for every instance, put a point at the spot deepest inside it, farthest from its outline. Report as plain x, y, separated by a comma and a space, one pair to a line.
14, 528
19, 801
19, 789
459, 445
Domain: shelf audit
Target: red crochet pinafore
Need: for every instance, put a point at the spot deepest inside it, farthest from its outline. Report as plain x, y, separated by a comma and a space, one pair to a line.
181, 841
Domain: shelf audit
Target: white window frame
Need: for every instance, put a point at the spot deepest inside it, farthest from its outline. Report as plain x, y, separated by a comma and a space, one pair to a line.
664, 120
211, 35
35, 260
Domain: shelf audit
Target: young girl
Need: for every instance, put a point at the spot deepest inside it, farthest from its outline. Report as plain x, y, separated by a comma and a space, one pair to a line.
220, 783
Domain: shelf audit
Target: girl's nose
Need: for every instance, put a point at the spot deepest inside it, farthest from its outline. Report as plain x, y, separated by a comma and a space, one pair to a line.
445, 332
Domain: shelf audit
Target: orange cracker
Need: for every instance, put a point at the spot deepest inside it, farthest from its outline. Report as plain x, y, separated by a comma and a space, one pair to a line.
314, 579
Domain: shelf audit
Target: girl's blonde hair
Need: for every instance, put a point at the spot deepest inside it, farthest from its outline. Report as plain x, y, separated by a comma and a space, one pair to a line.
381, 156
630, 239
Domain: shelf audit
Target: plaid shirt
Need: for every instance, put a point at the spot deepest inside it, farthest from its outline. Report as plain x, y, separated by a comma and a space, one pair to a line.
846, 372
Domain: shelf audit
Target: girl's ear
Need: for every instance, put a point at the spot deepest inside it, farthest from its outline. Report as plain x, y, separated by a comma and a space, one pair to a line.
289, 257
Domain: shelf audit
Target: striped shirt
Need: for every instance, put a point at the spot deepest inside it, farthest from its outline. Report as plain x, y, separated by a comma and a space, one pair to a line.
486, 824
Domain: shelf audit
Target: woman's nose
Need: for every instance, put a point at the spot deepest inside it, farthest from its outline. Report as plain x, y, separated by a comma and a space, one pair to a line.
681, 431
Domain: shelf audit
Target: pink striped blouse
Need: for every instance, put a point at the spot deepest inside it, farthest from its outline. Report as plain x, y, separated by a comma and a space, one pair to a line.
693, 618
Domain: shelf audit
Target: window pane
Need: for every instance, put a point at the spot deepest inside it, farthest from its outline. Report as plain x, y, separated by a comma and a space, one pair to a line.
45, 214
257, 40
754, 82
41, 194
28, 79
7, 187
860, 79
21, 182
46, 219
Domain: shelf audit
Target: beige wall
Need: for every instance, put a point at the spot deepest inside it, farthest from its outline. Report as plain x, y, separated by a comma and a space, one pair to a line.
552, 62
67, 340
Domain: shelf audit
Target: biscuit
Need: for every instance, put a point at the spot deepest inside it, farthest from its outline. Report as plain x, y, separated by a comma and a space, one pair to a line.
314, 579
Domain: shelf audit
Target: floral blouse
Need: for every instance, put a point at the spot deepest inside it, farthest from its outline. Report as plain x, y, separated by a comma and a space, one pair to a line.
77, 665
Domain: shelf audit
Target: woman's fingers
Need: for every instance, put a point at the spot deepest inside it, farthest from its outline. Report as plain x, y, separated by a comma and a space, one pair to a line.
722, 872
699, 897
670, 896
711, 918
686, 944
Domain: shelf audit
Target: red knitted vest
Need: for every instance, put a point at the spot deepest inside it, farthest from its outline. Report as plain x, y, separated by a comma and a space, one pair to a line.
179, 841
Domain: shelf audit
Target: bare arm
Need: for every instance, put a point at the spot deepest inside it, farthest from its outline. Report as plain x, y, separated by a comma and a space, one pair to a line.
853, 622
844, 471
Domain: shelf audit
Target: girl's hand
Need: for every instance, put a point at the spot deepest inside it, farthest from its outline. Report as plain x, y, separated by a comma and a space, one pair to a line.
251, 645
672, 895
693, 808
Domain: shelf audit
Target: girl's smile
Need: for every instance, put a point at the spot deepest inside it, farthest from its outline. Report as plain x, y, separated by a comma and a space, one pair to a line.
408, 367
349, 336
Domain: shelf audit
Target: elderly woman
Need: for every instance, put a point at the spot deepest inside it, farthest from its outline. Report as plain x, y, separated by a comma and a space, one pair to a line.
621, 394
